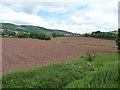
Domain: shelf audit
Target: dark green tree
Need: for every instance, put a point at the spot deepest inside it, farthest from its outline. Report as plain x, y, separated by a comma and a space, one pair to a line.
22, 35
118, 39
41, 36
54, 34
47, 37
33, 35
12, 34
87, 35
97, 32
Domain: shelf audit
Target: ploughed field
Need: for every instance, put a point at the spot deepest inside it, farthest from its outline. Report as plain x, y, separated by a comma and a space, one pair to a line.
24, 53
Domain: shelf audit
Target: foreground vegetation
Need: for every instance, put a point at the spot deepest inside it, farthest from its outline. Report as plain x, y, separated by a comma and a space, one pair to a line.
90, 71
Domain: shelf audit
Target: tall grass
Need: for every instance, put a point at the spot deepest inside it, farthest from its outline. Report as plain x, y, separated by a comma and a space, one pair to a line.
99, 79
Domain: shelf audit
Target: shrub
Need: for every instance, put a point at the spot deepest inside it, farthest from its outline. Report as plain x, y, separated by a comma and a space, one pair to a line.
47, 37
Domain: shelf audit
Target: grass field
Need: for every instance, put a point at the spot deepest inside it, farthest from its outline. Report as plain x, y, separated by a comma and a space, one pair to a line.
101, 72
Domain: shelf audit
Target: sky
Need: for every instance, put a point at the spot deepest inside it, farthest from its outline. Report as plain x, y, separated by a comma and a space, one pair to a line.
77, 16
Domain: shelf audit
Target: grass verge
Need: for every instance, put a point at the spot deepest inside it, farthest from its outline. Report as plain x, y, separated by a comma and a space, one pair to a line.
101, 72
96, 45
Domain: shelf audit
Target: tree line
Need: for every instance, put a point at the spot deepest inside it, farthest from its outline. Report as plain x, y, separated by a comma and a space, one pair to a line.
33, 35
106, 35
102, 35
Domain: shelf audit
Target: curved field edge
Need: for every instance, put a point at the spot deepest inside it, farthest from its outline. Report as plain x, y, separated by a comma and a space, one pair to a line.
61, 75
75, 43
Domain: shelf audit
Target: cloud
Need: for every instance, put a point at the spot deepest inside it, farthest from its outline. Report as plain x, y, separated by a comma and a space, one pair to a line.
80, 17
9, 15
102, 16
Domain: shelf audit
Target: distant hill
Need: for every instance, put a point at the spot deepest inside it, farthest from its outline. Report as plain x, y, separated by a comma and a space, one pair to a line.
30, 28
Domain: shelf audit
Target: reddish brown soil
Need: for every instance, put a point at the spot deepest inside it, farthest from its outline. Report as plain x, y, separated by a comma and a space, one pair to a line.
23, 53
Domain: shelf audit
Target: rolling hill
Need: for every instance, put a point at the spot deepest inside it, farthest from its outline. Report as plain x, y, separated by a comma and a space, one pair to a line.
30, 28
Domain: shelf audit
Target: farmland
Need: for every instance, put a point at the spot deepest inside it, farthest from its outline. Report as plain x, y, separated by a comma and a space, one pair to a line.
23, 53
59, 63
60, 45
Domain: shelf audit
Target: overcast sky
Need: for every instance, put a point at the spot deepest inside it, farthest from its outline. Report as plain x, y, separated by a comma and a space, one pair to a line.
78, 16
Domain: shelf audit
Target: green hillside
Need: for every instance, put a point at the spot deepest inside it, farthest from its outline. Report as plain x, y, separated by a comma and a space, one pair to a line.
30, 28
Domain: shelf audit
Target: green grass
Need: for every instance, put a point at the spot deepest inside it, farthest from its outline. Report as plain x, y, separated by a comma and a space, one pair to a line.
107, 78
96, 45
101, 72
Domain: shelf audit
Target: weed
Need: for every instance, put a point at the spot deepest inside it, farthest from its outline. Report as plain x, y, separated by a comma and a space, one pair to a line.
90, 56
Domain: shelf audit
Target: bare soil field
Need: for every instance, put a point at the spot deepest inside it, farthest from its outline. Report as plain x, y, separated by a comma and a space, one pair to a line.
24, 53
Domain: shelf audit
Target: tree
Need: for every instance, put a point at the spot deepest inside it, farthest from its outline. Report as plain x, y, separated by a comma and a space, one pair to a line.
47, 37
41, 36
33, 35
22, 35
87, 35
12, 34
118, 39
54, 34
97, 32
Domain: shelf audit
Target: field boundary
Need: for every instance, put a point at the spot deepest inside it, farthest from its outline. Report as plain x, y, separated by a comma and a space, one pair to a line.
97, 45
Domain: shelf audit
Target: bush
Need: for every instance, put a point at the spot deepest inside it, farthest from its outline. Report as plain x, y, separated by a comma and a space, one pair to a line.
47, 37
